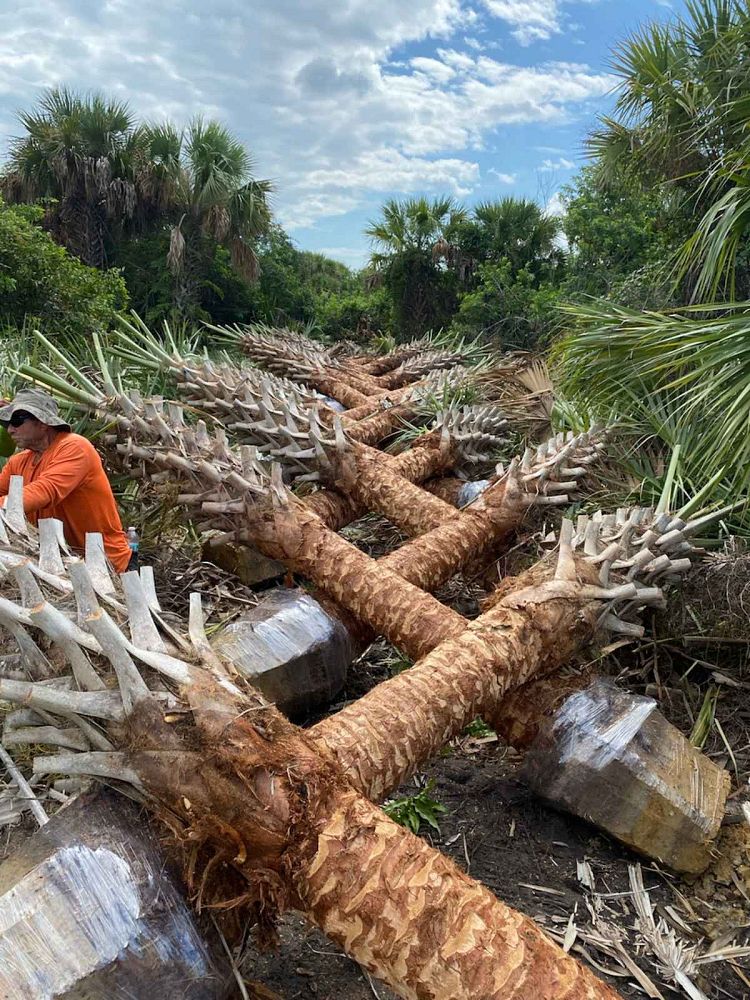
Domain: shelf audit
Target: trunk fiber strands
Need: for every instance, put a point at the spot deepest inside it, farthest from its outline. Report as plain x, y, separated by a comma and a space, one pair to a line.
381, 740
411, 619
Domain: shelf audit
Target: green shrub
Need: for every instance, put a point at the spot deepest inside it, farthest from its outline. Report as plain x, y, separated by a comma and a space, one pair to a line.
517, 310
40, 282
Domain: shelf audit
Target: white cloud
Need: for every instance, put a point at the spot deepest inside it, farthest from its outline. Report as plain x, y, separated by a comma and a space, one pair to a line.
532, 20
335, 191
503, 178
555, 206
562, 163
310, 88
439, 71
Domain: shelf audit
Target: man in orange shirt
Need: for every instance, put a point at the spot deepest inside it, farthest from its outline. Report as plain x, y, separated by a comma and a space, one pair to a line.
63, 476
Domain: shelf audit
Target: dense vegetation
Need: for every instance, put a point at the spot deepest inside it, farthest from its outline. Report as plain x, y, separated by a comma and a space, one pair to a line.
181, 218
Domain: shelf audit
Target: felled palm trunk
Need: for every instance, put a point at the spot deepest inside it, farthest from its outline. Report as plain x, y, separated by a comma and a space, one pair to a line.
522, 712
261, 794
330, 384
435, 556
388, 362
246, 790
381, 488
417, 367
378, 425
336, 510
304, 361
385, 736
406, 615
376, 486
377, 404
447, 488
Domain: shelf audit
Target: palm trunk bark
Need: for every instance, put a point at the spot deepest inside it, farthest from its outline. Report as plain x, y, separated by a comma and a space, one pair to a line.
331, 385
264, 796
426, 459
410, 619
435, 556
245, 789
522, 712
373, 405
387, 734
376, 486
388, 362
447, 488
380, 423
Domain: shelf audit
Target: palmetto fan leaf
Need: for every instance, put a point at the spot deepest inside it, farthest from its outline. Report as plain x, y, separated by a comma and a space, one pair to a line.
416, 223
689, 370
677, 81
216, 162
712, 250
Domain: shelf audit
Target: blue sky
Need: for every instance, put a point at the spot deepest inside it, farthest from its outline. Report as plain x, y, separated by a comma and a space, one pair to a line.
346, 103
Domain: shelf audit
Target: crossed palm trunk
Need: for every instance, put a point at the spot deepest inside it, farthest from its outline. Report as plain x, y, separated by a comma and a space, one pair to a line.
276, 804
308, 838
287, 809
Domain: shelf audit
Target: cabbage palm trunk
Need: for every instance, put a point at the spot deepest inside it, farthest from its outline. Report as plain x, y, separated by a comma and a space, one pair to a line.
248, 793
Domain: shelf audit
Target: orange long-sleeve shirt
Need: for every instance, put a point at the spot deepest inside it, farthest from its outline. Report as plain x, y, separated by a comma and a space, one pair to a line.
67, 481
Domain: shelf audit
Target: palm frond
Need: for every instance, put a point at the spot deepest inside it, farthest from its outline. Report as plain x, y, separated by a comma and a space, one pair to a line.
683, 377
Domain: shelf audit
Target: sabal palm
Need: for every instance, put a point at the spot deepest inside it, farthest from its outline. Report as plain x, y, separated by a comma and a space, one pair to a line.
409, 241
107, 176
681, 117
214, 193
83, 155
675, 114
518, 229
412, 224
684, 377
683, 110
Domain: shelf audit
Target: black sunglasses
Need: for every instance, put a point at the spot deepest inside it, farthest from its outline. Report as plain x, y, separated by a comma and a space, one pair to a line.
20, 417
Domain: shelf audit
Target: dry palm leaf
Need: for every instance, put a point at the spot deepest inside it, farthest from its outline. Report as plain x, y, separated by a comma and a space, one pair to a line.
524, 388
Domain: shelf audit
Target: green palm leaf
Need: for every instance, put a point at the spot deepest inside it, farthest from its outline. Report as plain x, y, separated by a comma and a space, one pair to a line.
682, 376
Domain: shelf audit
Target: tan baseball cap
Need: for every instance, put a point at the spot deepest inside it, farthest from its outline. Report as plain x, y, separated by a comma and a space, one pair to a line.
39, 404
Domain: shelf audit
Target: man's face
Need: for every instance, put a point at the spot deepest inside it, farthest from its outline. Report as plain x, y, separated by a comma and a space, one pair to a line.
27, 433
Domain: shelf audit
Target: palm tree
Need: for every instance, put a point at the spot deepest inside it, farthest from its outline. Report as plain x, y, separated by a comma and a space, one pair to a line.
682, 376
81, 155
678, 82
680, 119
413, 224
410, 242
518, 229
214, 195
107, 177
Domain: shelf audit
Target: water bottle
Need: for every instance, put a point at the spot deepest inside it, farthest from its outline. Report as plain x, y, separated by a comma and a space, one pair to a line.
132, 536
